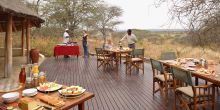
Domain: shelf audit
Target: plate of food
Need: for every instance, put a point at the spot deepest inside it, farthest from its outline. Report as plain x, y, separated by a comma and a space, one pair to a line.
49, 87
205, 71
72, 91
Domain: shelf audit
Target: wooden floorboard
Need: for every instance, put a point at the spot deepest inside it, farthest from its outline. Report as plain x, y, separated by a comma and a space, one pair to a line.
113, 90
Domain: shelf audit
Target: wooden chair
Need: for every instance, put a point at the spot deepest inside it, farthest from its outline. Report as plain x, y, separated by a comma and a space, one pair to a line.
189, 94
168, 56
135, 60
103, 58
162, 78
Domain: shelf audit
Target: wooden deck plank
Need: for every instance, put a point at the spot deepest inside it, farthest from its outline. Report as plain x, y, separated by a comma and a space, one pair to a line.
113, 90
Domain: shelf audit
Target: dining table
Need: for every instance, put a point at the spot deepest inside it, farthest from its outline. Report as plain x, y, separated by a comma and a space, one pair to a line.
209, 73
69, 102
116, 53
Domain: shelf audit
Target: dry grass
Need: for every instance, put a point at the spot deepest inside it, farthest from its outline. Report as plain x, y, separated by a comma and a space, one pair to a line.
153, 48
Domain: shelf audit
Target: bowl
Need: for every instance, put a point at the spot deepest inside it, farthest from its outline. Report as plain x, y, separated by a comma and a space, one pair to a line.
10, 97
29, 92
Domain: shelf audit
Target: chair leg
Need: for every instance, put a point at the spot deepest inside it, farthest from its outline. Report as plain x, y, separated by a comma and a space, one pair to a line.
175, 100
143, 67
166, 93
194, 104
213, 97
154, 82
126, 68
161, 87
182, 102
97, 64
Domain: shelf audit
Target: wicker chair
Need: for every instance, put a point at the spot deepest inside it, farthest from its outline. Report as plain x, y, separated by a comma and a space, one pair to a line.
135, 60
162, 78
103, 58
189, 94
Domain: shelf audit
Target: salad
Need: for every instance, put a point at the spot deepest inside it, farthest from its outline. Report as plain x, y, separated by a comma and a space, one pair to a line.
49, 86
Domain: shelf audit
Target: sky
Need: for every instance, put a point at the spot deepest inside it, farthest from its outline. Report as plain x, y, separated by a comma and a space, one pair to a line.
142, 14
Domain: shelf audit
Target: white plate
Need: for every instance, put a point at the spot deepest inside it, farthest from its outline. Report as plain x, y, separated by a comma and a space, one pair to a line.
191, 69
29, 95
59, 87
10, 97
71, 95
29, 92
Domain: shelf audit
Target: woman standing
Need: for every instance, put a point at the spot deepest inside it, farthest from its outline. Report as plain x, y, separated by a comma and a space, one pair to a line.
85, 45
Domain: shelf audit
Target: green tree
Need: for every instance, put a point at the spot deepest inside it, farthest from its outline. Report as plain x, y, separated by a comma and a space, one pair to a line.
200, 17
105, 19
68, 13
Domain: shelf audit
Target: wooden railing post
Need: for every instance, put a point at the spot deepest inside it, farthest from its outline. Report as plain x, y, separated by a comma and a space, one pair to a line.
8, 47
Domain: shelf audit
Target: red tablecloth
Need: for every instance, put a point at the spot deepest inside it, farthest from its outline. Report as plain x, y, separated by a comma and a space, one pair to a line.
66, 50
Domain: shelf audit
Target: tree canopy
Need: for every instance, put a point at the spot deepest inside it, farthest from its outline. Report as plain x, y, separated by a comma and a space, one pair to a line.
200, 17
78, 14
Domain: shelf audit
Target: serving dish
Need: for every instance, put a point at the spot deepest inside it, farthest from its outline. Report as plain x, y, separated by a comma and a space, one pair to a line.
49, 87
72, 91
10, 97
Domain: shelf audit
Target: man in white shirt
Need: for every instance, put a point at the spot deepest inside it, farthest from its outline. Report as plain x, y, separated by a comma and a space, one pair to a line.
66, 39
66, 36
131, 38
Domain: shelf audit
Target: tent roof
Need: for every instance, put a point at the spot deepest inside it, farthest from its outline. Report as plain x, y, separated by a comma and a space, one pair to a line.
18, 8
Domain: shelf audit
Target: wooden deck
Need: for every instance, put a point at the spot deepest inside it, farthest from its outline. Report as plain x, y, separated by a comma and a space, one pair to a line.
113, 90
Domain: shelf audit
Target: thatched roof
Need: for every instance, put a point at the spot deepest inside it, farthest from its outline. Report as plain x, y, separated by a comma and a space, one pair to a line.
16, 7
19, 12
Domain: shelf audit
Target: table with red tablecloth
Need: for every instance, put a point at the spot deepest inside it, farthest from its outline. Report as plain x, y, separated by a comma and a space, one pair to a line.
66, 50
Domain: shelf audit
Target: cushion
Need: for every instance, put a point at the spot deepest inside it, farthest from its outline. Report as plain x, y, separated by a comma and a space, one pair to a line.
161, 77
100, 58
189, 91
136, 59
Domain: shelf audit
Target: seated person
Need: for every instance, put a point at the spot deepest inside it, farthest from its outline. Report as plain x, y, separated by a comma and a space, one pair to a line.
109, 44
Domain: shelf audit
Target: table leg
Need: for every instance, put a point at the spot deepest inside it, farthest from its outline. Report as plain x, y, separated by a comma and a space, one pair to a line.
196, 81
120, 58
117, 61
81, 106
77, 56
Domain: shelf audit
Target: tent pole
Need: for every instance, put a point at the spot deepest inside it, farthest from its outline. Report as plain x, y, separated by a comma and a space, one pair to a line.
28, 40
23, 38
8, 48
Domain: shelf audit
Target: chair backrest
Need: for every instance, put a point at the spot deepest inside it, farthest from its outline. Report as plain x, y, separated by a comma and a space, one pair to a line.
98, 51
157, 65
138, 53
168, 56
182, 75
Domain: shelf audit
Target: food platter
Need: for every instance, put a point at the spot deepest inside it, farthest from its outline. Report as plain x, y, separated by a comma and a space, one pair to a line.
49, 87
72, 91
205, 71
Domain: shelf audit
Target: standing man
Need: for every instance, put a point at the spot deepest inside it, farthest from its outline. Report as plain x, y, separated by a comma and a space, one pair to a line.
85, 45
131, 38
66, 39
66, 36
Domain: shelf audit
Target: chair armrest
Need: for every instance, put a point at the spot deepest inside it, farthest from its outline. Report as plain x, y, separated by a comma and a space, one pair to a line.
204, 90
203, 86
168, 76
